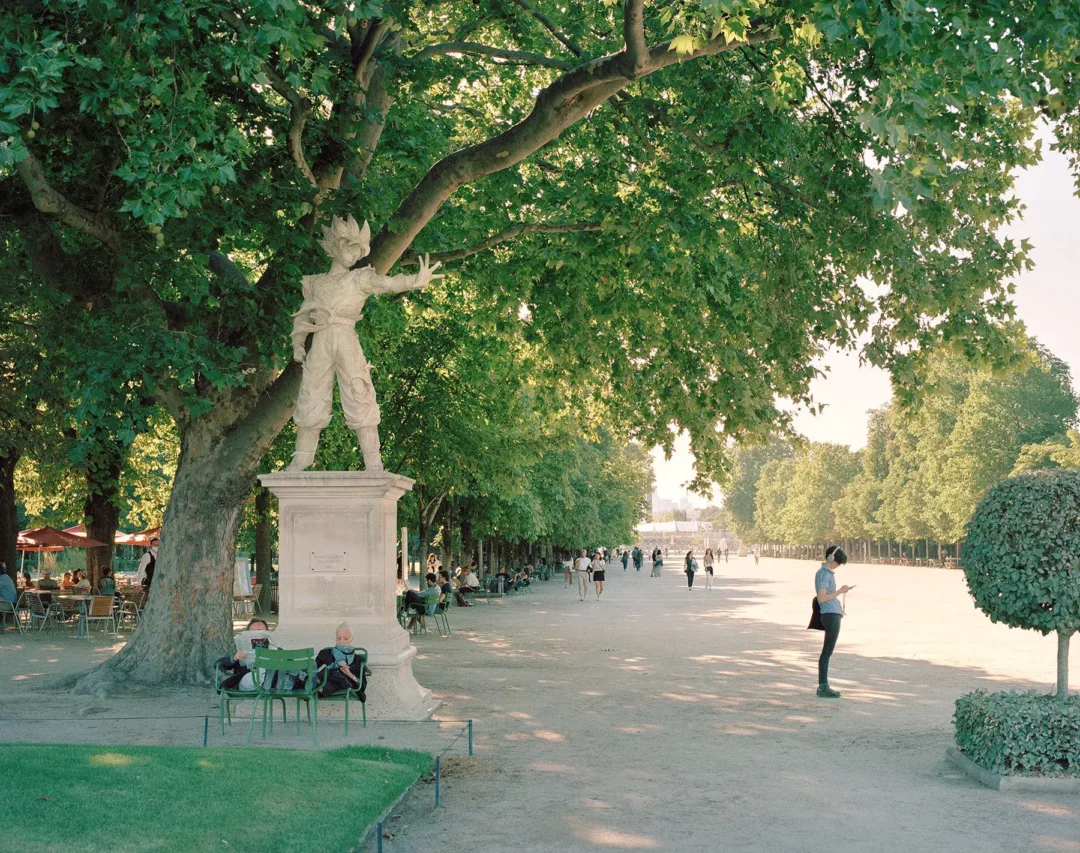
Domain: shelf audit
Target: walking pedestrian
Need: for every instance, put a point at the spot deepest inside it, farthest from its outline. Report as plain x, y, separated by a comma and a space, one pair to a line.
691, 568
568, 571
832, 611
598, 574
708, 568
657, 562
725, 552
757, 556
581, 569
625, 559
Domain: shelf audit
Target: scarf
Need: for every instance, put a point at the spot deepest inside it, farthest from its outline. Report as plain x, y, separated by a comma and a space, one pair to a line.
343, 653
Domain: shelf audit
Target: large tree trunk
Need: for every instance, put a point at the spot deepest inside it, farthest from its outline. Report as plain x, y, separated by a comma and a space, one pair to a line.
264, 552
101, 513
9, 514
1063, 664
187, 624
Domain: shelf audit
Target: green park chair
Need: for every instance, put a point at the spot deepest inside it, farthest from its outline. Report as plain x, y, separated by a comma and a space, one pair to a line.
283, 663
442, 623
228, 695
347, 695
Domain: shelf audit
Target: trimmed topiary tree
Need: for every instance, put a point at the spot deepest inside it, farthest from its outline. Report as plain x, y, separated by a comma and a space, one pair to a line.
1022, 560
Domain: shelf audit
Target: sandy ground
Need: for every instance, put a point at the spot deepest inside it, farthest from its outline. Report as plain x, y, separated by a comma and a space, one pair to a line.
658, 719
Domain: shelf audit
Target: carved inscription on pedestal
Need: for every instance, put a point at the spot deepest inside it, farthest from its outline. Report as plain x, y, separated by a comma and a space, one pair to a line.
329, 561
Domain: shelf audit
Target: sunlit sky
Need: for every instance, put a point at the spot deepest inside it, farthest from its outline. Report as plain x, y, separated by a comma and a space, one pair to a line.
1046, 299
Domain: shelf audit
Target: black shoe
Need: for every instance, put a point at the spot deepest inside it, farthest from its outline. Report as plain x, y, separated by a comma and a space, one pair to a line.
826, 692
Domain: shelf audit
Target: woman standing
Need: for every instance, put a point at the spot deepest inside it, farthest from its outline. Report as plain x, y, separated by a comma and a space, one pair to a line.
832, 611
708, 568
691, 568
598, 574
657, 562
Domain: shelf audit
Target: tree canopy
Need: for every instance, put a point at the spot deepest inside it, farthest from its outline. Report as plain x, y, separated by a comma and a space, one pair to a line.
678, 203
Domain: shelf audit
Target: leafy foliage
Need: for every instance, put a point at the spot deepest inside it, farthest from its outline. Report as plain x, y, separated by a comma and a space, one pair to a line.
1021, 734
1023, 552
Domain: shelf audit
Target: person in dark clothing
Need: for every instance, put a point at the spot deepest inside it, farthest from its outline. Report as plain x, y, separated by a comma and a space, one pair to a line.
238, 665
448, 591
345, 668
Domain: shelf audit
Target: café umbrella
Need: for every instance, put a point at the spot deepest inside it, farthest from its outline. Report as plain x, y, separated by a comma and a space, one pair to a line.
50, 539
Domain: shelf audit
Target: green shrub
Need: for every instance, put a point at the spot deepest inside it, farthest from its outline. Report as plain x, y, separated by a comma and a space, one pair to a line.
1022, 559
1020, 734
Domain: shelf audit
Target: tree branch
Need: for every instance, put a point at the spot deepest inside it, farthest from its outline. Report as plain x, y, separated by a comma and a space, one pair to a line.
474, 49
298, 106
48, 200
549, 25
634, 35
565, 102
256, 430
504, 236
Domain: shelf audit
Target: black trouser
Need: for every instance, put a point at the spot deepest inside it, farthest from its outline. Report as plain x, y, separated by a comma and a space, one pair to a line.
831, 621
689, 579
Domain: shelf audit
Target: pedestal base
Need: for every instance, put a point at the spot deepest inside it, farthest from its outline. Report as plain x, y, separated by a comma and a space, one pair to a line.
337, 540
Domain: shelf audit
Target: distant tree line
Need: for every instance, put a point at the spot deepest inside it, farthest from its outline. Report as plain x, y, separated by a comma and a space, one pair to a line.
911, 491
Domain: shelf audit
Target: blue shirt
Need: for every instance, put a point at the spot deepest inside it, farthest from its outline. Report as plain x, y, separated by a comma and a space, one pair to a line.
7, 588
826, 580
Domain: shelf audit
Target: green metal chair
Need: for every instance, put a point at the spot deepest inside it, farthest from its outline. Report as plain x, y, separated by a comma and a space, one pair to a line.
346, 695
228, 695
441, 622
283, 663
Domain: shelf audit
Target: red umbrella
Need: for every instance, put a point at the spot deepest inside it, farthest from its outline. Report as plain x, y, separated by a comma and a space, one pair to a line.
120, 537
143, 537
49, 538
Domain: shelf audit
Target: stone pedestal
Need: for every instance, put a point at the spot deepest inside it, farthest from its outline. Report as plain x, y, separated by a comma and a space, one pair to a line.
337, 534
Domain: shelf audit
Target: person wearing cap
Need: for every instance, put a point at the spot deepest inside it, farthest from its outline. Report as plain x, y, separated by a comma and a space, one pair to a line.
832, 611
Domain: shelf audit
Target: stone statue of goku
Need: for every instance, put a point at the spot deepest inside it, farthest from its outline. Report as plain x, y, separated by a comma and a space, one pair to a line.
331, 308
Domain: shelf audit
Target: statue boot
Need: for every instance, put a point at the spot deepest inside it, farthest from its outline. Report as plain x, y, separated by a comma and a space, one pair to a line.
369, 446
307, 442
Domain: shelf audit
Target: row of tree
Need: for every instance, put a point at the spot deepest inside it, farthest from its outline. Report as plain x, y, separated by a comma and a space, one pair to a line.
923, 470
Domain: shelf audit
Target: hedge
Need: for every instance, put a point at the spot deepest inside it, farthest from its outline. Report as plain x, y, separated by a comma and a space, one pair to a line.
1020, 734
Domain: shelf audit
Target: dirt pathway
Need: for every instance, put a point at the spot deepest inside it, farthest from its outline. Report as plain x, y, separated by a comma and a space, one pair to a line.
661, 719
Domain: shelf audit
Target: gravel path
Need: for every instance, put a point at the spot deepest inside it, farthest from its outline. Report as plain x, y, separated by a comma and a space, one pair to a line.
661, 719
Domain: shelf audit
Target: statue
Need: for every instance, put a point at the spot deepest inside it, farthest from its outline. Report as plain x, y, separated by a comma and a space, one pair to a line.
331, 308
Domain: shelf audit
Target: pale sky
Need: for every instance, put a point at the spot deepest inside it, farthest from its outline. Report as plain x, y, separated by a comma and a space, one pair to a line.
1047, 300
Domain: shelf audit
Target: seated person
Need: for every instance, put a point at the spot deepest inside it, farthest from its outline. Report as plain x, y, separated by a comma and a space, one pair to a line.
47, 581
237, 664
27, 581
67, 583
106, 584
82, 582
7, 588
504, 576
402, 587
424, 601
471, 581
344, 668
448, 591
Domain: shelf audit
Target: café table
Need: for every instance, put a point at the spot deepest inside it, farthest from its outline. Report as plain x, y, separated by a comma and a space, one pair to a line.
81, 629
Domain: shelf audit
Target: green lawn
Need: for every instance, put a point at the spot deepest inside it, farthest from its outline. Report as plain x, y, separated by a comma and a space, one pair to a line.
136, 798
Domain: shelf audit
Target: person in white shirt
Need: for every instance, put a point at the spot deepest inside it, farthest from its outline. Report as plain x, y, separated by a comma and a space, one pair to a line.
147, 565
581, 569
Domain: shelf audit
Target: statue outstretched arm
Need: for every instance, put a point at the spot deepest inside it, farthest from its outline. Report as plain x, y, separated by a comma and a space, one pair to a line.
402, 283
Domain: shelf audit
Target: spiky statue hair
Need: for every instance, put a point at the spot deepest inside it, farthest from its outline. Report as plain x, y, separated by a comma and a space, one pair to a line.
345, 232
